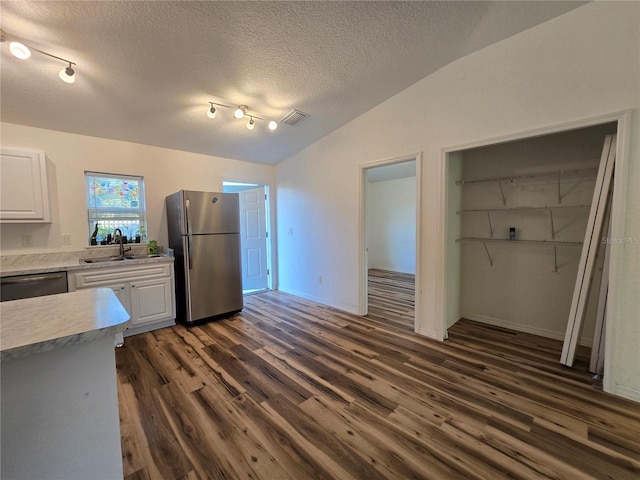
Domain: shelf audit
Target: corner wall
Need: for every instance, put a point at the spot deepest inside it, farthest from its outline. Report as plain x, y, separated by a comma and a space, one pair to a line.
580, 65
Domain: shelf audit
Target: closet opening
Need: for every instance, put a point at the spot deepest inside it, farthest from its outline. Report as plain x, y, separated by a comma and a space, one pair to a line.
517, 215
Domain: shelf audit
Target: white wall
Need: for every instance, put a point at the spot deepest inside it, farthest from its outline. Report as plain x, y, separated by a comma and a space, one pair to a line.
164, 171
521, 291
578, 66
391, 226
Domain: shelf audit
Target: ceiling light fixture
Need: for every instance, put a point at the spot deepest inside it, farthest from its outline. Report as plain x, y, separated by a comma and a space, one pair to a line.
68, 74
19, 50
239, 112
23, 52
211, 113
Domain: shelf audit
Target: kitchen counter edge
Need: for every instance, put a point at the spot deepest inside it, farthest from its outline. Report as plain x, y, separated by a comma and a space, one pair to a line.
73, 265
41, 324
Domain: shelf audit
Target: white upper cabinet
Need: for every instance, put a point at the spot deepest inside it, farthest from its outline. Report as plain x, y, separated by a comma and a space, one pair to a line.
24, 189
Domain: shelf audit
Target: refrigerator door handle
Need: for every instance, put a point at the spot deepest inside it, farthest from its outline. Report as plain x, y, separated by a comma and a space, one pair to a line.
189, 248
187, 204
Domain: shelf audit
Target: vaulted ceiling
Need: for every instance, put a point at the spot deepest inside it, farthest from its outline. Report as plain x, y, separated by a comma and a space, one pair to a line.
146, 70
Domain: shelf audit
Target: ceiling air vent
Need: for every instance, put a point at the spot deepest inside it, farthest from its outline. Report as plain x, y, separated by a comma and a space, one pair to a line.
294, 117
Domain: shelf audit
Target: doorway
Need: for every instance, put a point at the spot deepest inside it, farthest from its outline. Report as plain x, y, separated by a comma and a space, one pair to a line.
390, 205
254, 235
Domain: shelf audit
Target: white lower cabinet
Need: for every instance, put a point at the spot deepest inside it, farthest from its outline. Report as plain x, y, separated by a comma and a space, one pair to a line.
146, 291
151, 300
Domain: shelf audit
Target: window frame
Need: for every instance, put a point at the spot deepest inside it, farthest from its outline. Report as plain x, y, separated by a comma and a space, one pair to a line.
93, 213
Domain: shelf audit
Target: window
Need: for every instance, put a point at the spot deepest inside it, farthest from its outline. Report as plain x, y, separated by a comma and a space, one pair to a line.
115, 201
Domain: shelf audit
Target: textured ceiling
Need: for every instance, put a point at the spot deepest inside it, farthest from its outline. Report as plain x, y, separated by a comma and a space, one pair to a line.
146, 70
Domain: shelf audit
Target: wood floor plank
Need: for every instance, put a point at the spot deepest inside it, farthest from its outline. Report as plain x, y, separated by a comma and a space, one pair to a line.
222, 448
361, 438
289, 389
300, 372
168, 457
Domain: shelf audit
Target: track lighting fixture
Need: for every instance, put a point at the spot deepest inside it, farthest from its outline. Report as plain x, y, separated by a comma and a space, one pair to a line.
239, 112
211, 113
23, 52
19, 50
67, 74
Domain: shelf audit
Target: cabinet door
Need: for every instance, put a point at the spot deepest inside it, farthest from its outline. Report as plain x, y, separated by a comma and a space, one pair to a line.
151, 300
122, 292
24, 192
121, 289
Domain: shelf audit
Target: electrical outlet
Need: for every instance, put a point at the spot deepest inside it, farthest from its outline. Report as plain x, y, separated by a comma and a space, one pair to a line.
66, 239
27, 240
320, 279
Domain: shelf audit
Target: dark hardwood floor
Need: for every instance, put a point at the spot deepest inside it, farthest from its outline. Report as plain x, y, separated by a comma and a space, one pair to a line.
289, 389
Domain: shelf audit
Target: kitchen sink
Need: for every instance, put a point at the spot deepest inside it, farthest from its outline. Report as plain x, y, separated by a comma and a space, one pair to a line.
139, 257
101, 260
117, 259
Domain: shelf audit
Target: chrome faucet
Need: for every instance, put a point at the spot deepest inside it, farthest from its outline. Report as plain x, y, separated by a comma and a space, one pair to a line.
122, 249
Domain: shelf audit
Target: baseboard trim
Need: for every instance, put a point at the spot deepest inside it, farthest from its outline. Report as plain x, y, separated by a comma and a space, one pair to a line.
542, 332
321, 301
427, 333
627, 392
144, 328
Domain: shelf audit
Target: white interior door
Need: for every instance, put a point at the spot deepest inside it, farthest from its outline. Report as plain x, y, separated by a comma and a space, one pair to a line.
253, 239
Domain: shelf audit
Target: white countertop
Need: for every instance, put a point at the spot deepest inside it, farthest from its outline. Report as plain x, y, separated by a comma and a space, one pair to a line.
46, 323
42, 264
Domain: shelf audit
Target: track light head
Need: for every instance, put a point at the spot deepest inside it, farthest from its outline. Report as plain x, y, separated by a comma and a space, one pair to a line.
19, 50
251, 123
211, 113
273, 125
68, 75
22, 52
241, 111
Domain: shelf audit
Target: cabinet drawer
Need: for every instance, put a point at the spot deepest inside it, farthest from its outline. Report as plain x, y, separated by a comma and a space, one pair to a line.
95, 278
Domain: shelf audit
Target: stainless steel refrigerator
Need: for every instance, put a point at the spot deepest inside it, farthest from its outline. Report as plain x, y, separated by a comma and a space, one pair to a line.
204, 232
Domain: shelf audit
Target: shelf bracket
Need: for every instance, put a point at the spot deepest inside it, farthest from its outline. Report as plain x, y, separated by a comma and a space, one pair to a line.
559, 192
504, 200
490, 225
484, 244
553, 230
555, 259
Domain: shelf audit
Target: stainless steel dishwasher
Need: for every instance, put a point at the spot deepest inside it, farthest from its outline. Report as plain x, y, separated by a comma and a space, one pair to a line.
36, 285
